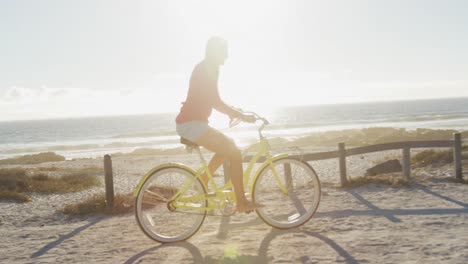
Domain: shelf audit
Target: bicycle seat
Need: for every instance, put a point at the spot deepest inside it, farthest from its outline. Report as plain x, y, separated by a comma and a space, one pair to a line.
188, 143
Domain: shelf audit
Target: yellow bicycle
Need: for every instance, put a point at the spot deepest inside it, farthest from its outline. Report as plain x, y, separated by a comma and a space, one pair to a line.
172, 201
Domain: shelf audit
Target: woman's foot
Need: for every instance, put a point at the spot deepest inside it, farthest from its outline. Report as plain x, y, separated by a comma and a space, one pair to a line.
248, 207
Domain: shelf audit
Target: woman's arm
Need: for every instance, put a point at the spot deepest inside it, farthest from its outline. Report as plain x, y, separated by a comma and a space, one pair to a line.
222, 107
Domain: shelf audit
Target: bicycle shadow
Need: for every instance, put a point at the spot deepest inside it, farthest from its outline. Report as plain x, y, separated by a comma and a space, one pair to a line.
193, 250
263, 250
262, 256
225, 226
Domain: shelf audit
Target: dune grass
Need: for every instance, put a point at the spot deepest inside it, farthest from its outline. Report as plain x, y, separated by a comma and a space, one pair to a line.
96, 204
123, 203
370, 136
429, 157
71, 182
392, 180
64, 170
53, 168
15, 196
42, 183
14, 182
33, 159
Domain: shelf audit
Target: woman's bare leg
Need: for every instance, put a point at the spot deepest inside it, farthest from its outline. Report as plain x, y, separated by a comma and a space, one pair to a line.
213, 165
217, 142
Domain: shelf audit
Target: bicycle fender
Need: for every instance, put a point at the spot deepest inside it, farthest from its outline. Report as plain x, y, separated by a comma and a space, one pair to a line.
160, 167
264, 165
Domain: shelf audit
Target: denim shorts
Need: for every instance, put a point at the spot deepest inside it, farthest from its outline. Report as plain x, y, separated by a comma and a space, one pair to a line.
192, 130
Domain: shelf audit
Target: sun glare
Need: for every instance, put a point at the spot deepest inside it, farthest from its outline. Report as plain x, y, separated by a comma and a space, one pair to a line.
229, 19
253, 30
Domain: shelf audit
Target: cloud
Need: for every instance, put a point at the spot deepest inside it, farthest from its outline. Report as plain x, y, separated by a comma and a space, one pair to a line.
45, 102
16, 94
19, 93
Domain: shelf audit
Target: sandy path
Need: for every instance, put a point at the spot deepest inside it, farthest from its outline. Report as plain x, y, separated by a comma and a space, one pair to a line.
373, 224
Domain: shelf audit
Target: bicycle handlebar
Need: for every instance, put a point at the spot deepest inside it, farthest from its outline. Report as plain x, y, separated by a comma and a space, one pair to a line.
236, 121
258, 117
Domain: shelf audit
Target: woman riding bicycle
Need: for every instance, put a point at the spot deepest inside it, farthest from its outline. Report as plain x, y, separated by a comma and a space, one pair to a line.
192, 121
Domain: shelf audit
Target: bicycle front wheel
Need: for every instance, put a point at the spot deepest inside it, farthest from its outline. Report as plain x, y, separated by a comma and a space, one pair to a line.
158, 212
290, 190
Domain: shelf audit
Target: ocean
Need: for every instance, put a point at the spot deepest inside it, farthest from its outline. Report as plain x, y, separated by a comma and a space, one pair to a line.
97, 136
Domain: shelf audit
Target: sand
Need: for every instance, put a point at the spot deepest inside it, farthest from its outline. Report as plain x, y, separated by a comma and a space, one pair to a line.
425, 223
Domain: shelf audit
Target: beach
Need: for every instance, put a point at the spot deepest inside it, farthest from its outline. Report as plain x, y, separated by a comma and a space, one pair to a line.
329, 124
423, 223
96, 98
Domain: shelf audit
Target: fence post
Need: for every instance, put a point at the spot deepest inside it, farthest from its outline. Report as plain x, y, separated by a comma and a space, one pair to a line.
406, 163
342, 161
109, 181
457, 155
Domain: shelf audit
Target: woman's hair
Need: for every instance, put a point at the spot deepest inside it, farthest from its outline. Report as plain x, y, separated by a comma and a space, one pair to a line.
214, 46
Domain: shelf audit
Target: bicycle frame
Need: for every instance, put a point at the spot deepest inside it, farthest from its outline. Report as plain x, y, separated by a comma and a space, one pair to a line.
224, 192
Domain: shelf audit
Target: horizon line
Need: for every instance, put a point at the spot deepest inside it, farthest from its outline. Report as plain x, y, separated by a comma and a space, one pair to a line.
278, 107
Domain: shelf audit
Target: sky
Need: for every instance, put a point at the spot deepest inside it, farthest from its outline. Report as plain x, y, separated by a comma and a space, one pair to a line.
109, 57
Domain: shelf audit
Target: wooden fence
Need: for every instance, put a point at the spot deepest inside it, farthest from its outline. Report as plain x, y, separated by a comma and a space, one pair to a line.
341, 155
405, 146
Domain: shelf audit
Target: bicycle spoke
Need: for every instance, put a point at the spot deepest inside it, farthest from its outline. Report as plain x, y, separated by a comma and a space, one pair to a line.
303, 192
158, 217
297, 203
160, 197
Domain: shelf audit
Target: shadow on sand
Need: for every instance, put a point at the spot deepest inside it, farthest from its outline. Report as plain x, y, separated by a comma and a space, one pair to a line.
391, 214
262, 256
62, 238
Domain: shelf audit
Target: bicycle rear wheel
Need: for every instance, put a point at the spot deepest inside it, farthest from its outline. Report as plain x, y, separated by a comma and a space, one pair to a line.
290, 191
156, 213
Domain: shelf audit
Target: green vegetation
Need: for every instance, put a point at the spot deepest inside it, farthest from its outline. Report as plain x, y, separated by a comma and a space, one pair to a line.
33, 159
72, 182
19, 197
15, 181
392, 180
96, 204
42, 183
429, 157
48, 168
87, 170
352, 137
12, 179
368, 136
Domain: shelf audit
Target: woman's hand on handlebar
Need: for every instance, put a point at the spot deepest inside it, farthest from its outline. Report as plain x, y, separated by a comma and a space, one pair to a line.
248, 118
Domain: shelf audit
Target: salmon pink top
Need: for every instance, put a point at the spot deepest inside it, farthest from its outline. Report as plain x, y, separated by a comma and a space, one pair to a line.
203, 96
